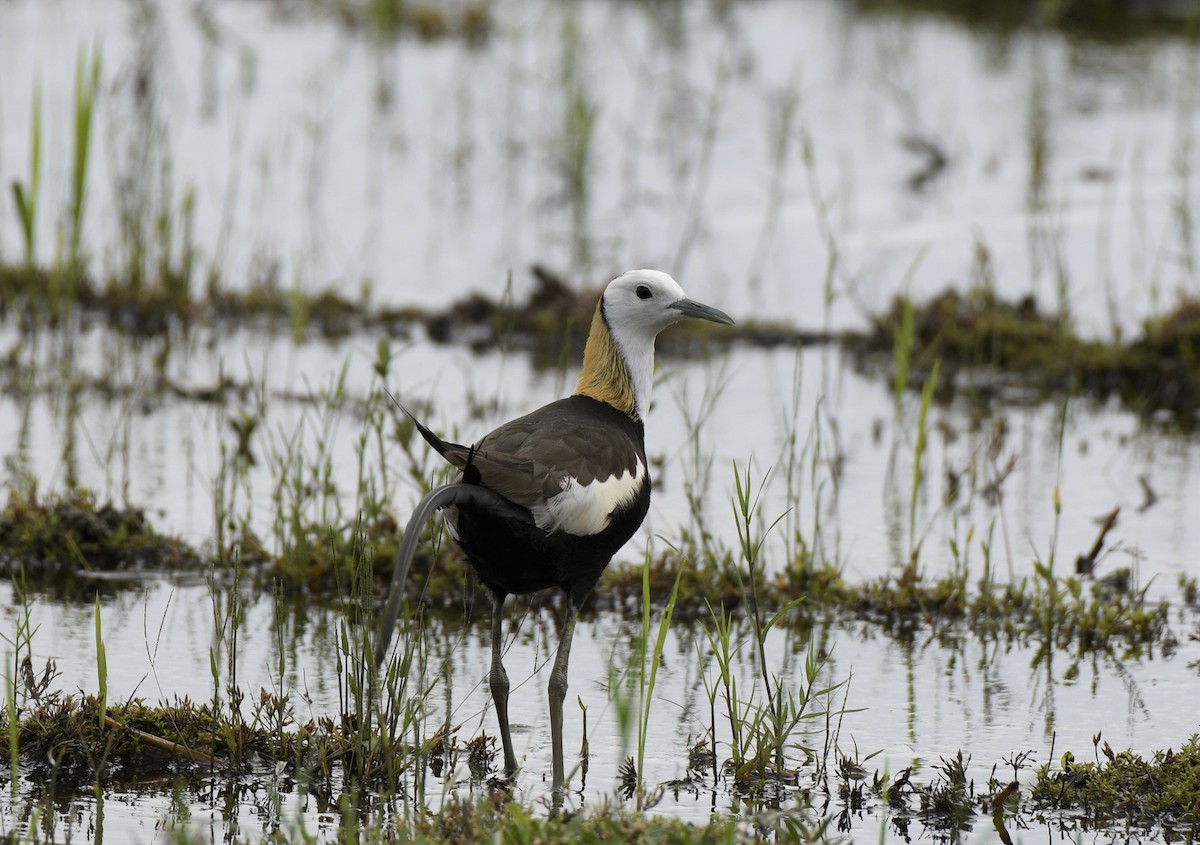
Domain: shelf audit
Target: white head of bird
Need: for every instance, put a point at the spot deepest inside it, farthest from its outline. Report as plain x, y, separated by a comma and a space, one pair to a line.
618, 364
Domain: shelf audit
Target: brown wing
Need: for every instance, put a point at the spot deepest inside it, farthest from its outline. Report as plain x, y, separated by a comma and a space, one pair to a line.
528, 459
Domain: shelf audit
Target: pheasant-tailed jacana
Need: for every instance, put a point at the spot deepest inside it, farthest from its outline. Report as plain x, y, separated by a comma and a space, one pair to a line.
547, 499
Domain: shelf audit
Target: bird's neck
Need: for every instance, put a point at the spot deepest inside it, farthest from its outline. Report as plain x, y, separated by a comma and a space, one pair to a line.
618, 371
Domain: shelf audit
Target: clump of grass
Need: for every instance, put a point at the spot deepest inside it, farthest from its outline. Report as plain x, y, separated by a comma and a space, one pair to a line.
974, 329
1109, 20
468, 821
53, 536
1168, 356
990, 344
648, 658
87, 85
429, 21
765, 722
47, 540
1125, 788
75, 738
65, 737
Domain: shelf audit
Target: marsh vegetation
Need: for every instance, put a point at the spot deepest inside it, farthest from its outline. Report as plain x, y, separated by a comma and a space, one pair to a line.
920, 561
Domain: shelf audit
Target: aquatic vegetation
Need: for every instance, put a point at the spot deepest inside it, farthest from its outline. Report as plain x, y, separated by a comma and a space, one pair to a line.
782, 738
556, 315
989, 345
1124, 790
26, 194
46, 539
67, 743
1115, 20
465, 821
985, 345
72, 740
310, 483
430, 21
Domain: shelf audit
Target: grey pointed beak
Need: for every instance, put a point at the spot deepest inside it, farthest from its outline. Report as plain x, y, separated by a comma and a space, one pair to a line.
700, 311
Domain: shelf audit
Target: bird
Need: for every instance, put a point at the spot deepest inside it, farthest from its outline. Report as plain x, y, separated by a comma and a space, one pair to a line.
545, 500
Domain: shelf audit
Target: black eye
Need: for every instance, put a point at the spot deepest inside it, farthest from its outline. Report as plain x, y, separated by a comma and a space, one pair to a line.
643, 292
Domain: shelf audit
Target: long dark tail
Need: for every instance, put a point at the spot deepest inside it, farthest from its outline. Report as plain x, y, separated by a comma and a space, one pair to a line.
435, 500
438, 444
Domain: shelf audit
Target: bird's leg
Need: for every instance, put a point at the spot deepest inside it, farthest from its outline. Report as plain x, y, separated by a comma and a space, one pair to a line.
558, 692
498, 683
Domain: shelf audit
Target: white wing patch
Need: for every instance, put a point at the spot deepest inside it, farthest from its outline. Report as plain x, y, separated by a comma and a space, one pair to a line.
583, 509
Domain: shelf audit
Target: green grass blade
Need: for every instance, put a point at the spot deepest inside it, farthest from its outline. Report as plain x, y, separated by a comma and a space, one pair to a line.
101, 670
14, 733
87, 82
26, 197
922, 438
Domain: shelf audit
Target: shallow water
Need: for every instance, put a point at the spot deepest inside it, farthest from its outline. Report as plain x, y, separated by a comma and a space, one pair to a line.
911, 701
321, 156
845, 486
